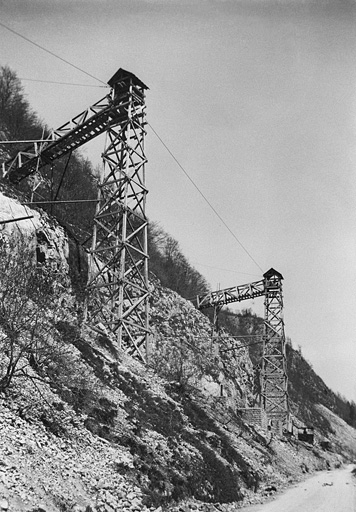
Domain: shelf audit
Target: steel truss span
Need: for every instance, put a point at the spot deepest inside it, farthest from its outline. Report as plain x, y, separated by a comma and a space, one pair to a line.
118, 275
273, 377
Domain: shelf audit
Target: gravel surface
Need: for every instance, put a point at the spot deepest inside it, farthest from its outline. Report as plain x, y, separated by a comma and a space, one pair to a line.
328, 491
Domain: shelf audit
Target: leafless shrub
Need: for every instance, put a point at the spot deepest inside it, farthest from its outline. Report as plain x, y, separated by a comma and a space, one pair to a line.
183, 361
30, 297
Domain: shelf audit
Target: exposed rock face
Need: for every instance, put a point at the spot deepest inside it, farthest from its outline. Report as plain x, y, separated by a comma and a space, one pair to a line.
42, 234
181, 333
183, 345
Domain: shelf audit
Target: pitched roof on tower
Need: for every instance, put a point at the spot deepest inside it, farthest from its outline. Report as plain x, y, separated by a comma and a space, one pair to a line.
271, 272
122, 73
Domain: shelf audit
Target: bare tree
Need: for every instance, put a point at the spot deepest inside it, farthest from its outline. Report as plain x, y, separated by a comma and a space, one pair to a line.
30, 297
169, 264
184, 360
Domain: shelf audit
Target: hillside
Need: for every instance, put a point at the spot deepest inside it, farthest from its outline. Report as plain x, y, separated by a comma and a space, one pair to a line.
94, 430
86, 428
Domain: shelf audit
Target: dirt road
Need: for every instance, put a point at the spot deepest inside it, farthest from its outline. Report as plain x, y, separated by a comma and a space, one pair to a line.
328, 491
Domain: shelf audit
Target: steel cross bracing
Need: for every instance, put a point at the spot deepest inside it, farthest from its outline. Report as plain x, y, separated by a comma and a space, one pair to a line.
274, 381
274, 393
118, 278
119, 249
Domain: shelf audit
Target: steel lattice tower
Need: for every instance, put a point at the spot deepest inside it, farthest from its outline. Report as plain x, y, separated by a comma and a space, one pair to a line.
118, 279
273, 377
274, 397
118, 269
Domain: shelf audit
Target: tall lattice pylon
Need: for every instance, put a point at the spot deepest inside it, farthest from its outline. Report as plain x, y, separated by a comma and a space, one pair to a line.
118, 277
118, 274
274, 393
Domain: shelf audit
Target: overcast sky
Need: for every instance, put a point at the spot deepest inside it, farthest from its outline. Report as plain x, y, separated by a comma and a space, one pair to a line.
256, 99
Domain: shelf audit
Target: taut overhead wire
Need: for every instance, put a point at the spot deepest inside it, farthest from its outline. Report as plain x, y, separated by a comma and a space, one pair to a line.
51, 53
63, 83
204, 197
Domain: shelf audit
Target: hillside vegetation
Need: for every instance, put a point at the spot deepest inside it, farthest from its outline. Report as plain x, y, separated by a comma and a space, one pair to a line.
84, 427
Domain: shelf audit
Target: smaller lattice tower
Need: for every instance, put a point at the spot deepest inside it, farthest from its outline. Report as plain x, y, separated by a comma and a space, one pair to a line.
274, 382
273, 375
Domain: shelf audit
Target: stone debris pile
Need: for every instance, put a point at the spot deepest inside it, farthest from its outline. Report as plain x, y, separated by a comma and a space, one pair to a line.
39, 470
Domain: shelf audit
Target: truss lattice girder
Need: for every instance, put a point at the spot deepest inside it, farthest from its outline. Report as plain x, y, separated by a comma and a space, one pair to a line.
79, 130
234, 294
82, 128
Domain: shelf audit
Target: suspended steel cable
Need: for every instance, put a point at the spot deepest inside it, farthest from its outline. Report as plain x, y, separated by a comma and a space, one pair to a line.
62, 201
62, 178
24, 141
204, 197
63, 83
224, 336
225, 269
51, 53
16, 220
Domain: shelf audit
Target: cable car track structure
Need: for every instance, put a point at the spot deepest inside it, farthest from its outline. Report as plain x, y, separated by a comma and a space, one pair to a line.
118, 269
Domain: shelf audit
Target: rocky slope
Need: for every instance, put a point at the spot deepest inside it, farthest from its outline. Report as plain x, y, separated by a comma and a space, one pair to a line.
101, 432
138, 443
